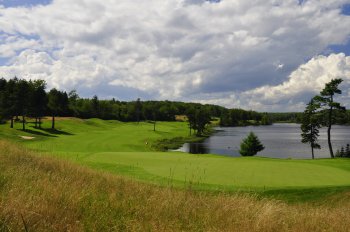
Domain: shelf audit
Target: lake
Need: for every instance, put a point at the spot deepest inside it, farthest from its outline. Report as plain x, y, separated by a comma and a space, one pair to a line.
280, 140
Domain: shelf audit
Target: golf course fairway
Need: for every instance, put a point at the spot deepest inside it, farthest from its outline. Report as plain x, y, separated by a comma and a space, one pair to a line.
126, 149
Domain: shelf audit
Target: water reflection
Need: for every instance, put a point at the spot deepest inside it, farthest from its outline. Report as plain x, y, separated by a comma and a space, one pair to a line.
280, 141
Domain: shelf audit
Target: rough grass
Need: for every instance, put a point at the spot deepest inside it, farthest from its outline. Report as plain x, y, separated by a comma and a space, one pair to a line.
44, 194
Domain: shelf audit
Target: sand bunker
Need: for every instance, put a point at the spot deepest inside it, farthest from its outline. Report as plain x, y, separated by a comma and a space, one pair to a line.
27, 137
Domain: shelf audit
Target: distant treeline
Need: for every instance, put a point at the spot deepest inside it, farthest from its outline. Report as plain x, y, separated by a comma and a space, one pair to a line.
340, 117
22, 98
239, 117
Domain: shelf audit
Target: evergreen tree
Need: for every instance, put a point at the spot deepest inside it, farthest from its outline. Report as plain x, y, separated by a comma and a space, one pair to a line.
251, 145
310, 126
326, 100
38, 100
3, 100
347, 150
21, 100
57, 103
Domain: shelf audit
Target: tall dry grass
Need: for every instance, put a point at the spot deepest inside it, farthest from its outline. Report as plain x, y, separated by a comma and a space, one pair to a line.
44, 194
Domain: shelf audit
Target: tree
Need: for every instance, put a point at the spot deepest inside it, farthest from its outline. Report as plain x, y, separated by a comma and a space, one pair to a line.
9, 101
95, 105
198, 118
57, 103
251, 145
310, 126
21, 100
265, 120
191, 117
3, 99
326, 100
73, 98
138, 109
38, 100
54, 104
202, 119
347, 150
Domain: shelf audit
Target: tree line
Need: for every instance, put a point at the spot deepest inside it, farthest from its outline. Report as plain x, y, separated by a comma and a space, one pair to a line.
21, 99
240, 117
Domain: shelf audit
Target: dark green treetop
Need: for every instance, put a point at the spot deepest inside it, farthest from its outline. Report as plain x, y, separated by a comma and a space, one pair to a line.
251, 145
310, 125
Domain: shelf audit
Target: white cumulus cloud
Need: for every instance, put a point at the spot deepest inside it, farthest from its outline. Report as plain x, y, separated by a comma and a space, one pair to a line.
220, 52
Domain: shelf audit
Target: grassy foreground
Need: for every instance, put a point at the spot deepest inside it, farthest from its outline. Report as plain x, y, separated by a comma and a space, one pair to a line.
128, 149
45, 194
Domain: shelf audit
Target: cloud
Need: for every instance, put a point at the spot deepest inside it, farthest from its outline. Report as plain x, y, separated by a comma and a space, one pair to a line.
305, 82
293, 94
176, 49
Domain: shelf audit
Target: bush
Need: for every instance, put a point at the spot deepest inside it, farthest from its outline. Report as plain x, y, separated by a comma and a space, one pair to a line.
251, 145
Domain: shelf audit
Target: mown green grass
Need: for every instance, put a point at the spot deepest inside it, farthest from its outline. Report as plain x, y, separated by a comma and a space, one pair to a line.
94, 135
126, 149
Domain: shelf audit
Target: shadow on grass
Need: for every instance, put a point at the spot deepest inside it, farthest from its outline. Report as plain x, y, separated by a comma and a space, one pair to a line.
37, 133
55, 131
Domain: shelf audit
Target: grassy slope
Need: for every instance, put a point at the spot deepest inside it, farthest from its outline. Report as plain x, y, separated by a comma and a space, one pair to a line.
54, 195
94, 135
125, 148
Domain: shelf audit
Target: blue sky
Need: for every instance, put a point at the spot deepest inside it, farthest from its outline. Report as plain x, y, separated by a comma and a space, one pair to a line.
267, 55
16, 3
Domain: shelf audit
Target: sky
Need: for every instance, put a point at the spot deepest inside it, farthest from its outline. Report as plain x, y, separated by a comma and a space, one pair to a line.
264, 55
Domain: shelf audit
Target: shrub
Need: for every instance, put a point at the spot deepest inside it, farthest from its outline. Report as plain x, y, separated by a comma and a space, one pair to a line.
251, 145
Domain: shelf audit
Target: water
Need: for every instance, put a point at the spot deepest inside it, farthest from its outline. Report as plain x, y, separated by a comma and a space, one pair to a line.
280, 141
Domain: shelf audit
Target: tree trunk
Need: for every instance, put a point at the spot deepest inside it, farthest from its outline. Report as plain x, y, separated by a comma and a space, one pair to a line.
312, 151
11, 121
40, 122
154, 125
329, 130
53, 122
23, 123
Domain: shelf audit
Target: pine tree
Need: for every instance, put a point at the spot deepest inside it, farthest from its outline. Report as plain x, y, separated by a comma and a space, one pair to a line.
310, 126
326, 99
251, 145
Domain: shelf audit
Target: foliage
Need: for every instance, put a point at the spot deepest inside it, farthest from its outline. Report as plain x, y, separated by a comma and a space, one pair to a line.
28, 98
265, 120
251, 145
290, 117
329, 107
310, 126
239, 117
198, 119
343, 153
